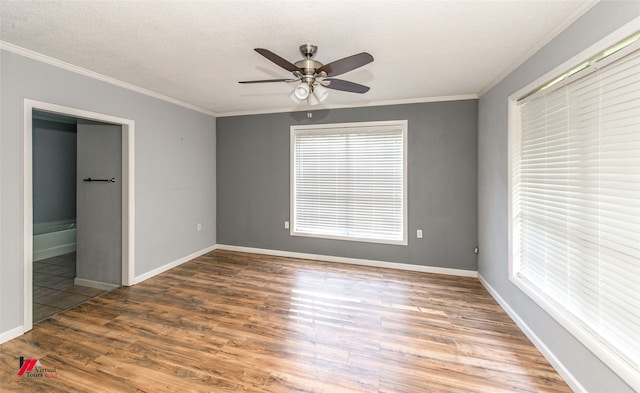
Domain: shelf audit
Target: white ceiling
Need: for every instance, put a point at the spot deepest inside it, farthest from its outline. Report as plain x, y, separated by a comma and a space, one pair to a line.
197, 51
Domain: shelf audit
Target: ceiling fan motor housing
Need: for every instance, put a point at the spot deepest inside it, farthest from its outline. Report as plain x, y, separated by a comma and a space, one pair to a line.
308, 68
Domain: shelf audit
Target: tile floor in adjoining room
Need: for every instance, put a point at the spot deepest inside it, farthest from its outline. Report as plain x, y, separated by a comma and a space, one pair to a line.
53, 287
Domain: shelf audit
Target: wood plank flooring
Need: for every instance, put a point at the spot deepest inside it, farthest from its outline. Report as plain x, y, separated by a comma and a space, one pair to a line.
237, 322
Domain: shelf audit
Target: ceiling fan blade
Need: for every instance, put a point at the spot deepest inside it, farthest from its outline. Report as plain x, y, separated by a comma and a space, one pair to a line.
269, 81
278, 60
347, 64
339, 84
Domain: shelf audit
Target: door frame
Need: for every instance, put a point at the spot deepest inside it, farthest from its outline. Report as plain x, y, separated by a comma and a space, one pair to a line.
128, 194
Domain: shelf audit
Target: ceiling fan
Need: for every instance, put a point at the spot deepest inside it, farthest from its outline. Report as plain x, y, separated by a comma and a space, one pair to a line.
314, 77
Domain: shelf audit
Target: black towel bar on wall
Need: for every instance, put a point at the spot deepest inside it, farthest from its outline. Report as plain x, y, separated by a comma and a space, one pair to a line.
112, 180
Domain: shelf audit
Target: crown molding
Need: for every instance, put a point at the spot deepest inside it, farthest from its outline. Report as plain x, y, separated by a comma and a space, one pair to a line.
544, 41
97, 76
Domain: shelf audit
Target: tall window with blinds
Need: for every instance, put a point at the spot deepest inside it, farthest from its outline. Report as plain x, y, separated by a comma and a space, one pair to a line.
348, 181
575, 202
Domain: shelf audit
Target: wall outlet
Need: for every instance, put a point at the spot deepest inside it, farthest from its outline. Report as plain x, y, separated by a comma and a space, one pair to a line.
199, 227
419, 233
286, 225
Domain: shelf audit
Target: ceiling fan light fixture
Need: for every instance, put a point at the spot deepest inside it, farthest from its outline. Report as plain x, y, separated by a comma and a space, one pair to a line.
293, 97
301, 92
320, 92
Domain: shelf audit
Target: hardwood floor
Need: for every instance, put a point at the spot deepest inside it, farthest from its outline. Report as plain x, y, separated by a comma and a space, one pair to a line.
236, 322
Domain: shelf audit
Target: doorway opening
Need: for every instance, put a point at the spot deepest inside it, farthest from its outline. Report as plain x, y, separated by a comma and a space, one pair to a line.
52, 272
63, 276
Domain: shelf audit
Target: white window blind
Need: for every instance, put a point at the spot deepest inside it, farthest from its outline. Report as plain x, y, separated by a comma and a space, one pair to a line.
348, 181
576, 206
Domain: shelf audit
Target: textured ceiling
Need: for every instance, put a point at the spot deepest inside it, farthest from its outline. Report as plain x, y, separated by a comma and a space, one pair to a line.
197, 51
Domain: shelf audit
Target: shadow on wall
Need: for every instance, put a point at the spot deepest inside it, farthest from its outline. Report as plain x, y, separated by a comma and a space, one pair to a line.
318, 116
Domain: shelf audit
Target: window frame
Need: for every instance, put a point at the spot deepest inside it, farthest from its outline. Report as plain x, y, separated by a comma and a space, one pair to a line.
403, 124
572, 324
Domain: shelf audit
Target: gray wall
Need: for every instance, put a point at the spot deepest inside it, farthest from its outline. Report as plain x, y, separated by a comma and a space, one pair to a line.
174, 169
604, 18
54, 171
253, 183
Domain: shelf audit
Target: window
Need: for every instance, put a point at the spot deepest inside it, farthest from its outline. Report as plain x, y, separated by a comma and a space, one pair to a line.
348, 181
575, 202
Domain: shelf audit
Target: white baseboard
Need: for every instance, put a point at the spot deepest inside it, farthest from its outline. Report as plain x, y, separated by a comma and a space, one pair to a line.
352, 261
546, 352
11, 334
104, 286
170, 265
53, 251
